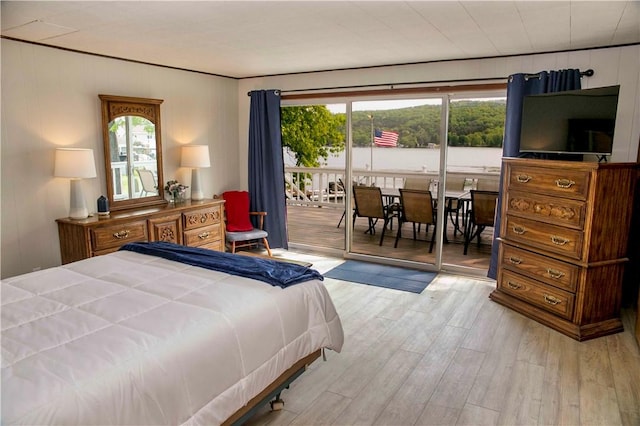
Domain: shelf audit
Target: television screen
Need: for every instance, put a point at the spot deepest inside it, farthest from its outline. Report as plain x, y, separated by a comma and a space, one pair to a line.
571, 122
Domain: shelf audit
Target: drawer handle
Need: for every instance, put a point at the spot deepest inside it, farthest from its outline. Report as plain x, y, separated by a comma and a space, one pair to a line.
523, 178
551, 300
559, 241
122, 234
520, 230
552, 273
204, 235
513, 286
515, 260
564, 183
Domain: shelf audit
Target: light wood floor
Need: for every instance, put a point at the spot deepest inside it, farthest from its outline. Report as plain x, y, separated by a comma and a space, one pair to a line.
450, 356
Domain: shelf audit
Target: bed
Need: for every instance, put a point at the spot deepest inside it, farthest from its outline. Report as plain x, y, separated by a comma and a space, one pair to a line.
131, 338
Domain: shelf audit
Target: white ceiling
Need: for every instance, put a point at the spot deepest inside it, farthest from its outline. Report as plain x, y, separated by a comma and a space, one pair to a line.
254, 38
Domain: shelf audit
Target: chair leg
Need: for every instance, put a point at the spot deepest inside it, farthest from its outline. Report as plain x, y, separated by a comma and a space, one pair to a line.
479, 230
233, 246
266, 245
398, 234
384, 228
344, 213
415, 237
433, 239
372, 226
471, 231
467, 233
456, 227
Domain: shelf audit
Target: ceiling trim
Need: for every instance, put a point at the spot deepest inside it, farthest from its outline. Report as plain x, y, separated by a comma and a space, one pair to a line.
318, 71
514, 55
100, 55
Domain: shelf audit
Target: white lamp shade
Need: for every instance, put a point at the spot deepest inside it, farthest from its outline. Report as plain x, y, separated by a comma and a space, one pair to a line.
75, 163
195, 156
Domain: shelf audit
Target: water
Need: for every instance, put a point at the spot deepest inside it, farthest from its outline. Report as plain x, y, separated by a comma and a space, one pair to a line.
417, 159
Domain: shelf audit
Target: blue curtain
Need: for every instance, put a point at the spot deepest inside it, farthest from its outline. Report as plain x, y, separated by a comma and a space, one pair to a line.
266, 165
519, 86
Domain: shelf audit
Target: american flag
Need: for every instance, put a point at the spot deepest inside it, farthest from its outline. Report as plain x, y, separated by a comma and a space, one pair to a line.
384, 138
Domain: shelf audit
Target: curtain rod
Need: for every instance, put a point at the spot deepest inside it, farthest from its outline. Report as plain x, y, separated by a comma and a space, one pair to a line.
587, 73
388, 85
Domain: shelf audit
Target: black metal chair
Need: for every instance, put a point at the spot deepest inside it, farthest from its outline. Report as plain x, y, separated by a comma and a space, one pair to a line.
416, 206
481, 215
369, 204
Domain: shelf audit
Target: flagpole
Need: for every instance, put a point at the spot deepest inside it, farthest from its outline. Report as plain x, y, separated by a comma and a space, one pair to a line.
371, 147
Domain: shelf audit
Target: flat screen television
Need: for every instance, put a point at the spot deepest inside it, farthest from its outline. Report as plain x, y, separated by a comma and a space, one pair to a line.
571, 123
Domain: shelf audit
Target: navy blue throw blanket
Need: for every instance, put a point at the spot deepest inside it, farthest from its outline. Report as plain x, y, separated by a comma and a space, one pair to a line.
276, 273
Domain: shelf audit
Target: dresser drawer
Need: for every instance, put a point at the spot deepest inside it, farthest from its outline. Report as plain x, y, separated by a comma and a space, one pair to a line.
203, 236
116, 235
554, 210
216, 245
204, 217
549, 298
551, 271
556, 239
556, 182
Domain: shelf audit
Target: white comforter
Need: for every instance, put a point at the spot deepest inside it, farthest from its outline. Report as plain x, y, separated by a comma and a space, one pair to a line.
128, 338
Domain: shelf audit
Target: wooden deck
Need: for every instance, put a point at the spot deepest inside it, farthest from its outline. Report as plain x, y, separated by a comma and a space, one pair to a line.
317, 226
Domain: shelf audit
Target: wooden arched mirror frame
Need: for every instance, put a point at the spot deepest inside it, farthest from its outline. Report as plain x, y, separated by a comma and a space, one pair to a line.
132, 151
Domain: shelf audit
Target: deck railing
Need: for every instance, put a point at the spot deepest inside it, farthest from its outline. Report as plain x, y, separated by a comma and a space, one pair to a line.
322, 186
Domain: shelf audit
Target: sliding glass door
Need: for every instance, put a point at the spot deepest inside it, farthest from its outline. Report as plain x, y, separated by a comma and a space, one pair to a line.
445, 145
314, 137
395, 146
474, 153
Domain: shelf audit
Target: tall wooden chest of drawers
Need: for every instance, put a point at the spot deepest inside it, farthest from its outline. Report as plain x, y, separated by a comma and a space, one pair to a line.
563, 243
191, 223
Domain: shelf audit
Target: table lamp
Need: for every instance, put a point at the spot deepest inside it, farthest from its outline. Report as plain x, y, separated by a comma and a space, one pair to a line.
75, 163
195, 156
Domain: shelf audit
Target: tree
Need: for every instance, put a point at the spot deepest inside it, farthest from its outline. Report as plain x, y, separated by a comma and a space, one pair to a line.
312, 132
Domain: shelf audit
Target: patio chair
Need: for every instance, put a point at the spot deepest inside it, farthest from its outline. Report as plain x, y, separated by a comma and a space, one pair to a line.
148, 181
421, 183
416, 206
481, 215
369, 204
486, 184
240, 232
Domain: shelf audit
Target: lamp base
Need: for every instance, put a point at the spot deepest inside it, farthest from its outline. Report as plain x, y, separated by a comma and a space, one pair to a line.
78, 207
196, 191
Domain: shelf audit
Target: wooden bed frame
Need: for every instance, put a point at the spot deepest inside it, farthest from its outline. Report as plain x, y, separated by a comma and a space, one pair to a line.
271, 391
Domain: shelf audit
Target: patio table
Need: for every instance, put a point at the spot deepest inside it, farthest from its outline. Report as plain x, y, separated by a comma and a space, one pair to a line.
464, 197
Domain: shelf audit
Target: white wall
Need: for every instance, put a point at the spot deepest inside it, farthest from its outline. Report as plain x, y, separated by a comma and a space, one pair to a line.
612, 66
50, 99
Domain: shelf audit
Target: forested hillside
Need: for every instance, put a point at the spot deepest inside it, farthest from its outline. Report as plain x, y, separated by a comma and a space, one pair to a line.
471, 123
313, 131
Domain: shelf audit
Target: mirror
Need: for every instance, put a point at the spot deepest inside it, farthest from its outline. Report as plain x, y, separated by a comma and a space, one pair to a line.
132, 151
